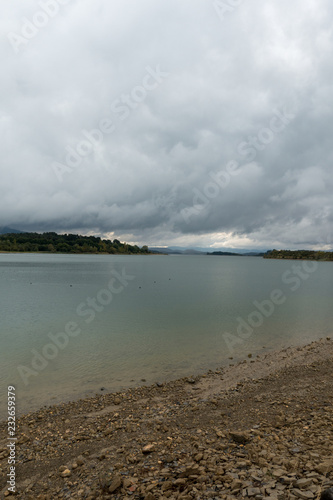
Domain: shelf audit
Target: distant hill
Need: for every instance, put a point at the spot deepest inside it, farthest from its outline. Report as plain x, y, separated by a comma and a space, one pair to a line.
65, 243
224, 253
165, 250
176, 251
209, 251
243, 251
195, 251
9, 230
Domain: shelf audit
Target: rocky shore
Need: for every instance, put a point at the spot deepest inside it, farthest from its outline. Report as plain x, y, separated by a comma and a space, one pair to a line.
261, 429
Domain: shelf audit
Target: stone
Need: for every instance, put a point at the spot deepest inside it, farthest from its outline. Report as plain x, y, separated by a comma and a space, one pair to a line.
127, 482
287, 480
115, 484
190, 381
167, 485
327, 494
303, 483
66, 473
80, 460
324, 467
240, 437
237, 484
304, 495
252, 492
278, 473
180, 481
149, 448
190, 471
149, 496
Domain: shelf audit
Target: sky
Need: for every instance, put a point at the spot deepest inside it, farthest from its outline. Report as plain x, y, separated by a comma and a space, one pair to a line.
188, 122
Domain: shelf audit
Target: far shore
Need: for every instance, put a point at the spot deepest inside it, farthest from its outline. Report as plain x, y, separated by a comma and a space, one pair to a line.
74, 253
167, 254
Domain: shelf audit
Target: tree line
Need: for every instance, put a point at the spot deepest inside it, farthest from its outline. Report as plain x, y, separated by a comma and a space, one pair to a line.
65, 243
299, 254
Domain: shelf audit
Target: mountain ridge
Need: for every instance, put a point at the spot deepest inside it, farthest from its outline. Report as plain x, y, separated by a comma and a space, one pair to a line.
9, 230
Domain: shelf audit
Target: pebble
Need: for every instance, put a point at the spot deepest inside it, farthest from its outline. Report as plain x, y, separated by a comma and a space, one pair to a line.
305, 495
149, 448
240, 437
115, 484
66, 473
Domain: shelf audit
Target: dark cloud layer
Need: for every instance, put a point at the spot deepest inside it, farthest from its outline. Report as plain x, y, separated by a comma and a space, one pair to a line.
191, 122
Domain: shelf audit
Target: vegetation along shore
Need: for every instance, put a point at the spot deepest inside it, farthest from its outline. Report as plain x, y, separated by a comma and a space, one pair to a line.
65, 243
299, 255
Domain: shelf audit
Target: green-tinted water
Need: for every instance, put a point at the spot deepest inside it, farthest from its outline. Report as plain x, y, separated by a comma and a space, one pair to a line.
178, 315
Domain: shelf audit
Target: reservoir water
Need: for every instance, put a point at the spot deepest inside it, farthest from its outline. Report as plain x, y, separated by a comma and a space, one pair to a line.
72, 324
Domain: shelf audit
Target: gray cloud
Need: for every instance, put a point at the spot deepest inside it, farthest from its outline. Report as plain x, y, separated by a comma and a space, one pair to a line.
217, 87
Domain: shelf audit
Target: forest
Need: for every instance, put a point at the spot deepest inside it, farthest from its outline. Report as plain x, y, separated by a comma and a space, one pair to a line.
299, 254
65, 243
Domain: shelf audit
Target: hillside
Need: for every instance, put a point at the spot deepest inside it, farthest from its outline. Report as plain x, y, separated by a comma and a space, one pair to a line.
65, 243
6, 230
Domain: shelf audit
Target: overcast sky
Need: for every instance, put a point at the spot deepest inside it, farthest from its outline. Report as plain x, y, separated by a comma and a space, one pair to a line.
179, 122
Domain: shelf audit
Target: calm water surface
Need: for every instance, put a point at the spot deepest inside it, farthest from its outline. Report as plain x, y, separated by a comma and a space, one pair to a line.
178, 316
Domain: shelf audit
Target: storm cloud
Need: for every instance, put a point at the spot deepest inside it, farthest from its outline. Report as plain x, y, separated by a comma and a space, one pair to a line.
191, 122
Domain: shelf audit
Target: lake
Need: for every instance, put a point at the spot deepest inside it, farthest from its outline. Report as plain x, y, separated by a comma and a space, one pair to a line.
72, 324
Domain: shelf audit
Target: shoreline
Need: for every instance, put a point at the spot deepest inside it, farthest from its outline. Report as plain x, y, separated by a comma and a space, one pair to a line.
235, 369
73, 253
262, 428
